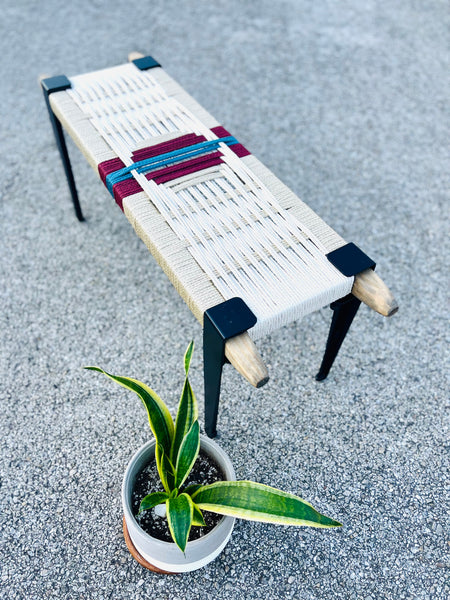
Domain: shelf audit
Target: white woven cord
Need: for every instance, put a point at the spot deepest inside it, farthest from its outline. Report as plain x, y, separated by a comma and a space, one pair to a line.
234, 227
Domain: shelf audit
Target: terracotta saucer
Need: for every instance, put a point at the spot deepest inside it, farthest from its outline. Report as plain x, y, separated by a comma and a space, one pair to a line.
135, 554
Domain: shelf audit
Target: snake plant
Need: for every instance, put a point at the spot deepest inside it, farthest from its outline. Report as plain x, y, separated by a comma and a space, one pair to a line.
177, 448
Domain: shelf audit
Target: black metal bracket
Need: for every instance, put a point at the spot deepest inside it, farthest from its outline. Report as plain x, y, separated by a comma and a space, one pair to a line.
349, 260
145, 62
220, 323
59, 84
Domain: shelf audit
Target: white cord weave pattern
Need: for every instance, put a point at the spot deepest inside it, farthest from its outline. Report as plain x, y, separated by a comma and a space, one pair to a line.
233, 226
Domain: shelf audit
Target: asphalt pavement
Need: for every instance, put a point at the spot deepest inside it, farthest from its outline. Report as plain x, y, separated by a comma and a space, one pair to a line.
348, 104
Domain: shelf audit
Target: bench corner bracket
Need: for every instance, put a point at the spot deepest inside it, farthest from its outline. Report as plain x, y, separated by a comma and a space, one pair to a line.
220, 323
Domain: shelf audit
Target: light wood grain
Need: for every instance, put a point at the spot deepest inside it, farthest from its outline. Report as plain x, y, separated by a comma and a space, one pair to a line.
42, 77
371, 289
245, 358
134, 56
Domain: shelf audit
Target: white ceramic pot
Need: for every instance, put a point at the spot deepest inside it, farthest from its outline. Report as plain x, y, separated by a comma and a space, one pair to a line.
166, 555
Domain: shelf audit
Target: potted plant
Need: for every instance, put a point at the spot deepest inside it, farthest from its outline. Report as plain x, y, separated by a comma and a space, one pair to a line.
184, 502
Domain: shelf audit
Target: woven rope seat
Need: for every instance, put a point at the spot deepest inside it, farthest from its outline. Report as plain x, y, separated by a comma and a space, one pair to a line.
242, 250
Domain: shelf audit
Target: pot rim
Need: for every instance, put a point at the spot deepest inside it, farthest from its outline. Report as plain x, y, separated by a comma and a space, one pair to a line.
206, 444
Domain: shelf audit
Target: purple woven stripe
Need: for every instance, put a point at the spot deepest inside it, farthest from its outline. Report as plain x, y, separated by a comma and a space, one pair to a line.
130, 186
122, 189
185, 168
125, 188
180, 142
109, 166
238, 149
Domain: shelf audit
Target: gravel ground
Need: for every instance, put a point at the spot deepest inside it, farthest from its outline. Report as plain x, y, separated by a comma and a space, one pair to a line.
346, 102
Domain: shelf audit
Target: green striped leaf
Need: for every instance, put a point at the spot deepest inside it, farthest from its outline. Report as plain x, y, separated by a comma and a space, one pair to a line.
165, 468
152, 500
258, 502
188, 454
187, 409
180, 512
192, 488
188, 356
159, 417
197, 517
186, 415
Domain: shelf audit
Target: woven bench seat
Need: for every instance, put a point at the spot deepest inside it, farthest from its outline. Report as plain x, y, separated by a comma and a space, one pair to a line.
243, 251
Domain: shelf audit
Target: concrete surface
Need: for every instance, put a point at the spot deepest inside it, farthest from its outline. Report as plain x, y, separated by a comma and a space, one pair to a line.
347, 103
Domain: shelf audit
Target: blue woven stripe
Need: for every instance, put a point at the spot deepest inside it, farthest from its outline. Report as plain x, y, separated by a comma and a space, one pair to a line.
166, 159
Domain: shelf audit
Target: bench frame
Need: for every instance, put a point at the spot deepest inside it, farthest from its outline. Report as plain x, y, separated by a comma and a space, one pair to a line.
231, 319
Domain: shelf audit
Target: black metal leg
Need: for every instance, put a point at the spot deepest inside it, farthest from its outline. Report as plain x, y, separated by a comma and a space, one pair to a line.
344, 311
61, 143
50, 85
213, 361
220, 323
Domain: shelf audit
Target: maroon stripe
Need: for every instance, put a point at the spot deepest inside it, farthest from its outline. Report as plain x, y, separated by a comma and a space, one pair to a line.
220, 131
109, 166
169, 146
125, 188
130, 186
174, 170
238, 149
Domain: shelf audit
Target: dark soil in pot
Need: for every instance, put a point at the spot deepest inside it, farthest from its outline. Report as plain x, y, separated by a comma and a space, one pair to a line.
205, 471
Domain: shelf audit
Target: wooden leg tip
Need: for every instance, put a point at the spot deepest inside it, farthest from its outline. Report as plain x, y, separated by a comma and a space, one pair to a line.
392, 311
262, 382
134, 56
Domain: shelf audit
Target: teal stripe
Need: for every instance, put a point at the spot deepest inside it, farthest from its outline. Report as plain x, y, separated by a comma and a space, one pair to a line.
168, 158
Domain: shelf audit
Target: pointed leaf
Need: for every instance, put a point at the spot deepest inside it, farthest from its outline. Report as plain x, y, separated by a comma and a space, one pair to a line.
187, 413
258, 502
152, 500
192, 488
188, 454
179, 517
165, 468
188, 356
159, 417
187, 409
197, 517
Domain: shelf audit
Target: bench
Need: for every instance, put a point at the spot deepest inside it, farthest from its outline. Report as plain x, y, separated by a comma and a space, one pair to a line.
243, 251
